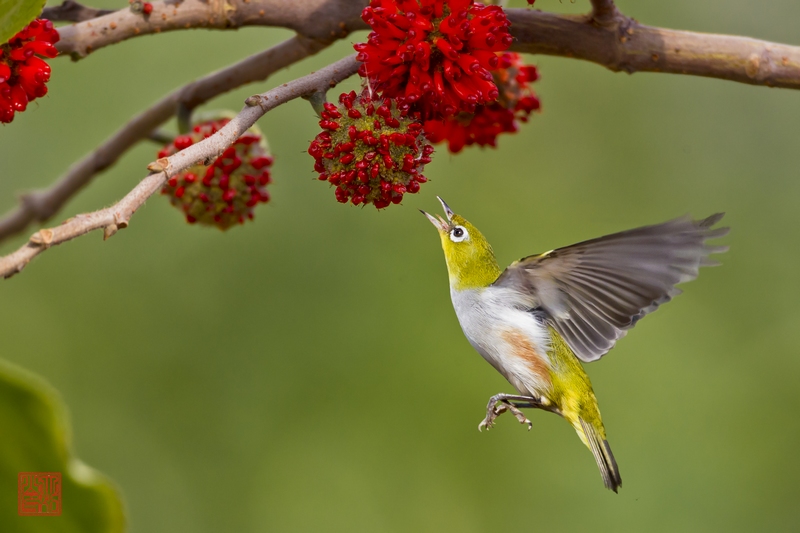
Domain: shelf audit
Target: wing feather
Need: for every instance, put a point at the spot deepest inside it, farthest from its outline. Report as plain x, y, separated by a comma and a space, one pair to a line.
594, 291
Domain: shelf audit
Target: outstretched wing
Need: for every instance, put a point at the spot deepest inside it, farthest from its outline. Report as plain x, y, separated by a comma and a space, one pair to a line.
594, 291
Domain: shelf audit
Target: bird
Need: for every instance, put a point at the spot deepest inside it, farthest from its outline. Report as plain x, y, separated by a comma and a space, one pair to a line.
536, 321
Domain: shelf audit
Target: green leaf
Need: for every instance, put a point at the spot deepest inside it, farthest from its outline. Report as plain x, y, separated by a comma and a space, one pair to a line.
16, 14
35, 437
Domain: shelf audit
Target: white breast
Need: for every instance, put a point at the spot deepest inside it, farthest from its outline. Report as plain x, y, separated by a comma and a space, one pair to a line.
498, 325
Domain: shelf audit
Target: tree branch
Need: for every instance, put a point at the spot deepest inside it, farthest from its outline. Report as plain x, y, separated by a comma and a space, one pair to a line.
605, 36
41, 205
321, 20
72, 11
625, 45
116, 217
604, 12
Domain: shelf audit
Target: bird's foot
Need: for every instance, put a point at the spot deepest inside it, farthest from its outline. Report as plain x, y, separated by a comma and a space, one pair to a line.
500, 403
492, 412
520, 415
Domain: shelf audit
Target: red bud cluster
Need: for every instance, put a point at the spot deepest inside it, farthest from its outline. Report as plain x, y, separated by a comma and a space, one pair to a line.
441, 62
436, 54
225, 192
139, 6
23, 74
516, 101
371, 151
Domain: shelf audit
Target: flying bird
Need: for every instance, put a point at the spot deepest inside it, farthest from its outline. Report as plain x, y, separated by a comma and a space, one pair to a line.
538, 319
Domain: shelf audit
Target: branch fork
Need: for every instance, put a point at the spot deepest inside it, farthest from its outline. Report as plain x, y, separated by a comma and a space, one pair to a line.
605, 36
604, 13
116, 217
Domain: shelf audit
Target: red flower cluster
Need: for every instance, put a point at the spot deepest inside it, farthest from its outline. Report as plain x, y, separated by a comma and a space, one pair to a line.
437, 62
515, 102
224, 193
22, 74
372, 151
436, 54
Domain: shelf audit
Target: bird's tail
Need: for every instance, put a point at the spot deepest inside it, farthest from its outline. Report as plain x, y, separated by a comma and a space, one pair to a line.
591, 436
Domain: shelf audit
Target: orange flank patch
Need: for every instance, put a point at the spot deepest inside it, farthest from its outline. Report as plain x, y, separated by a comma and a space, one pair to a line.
523, 348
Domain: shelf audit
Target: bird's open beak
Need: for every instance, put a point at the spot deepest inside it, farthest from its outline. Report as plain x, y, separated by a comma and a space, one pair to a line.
447, 210
440, 223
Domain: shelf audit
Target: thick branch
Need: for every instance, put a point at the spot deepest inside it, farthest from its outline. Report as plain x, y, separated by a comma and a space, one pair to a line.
605, 37
625, 45
321, 20
116, 217
41, 205
71, 11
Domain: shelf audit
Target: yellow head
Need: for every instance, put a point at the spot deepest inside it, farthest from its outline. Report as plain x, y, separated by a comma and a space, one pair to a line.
470, 259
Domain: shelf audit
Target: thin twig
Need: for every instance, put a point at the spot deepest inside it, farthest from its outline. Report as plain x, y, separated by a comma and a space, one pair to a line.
71, 11
161, 137
321, 20
116, 217
41, 205
604, 12
628, 46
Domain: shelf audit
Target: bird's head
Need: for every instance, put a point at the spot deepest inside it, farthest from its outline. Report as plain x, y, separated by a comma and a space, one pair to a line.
470, 260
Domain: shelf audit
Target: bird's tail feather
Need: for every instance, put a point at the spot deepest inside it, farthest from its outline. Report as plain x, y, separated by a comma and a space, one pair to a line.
602, 455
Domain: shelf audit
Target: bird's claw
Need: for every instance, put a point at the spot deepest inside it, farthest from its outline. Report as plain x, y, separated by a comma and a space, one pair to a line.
498, 405
491, 413
520, 416
498, 410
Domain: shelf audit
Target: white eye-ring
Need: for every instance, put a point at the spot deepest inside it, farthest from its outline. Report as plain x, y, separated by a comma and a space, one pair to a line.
458, 234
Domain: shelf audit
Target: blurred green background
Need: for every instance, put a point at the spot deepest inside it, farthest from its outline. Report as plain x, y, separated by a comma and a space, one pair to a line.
306, 372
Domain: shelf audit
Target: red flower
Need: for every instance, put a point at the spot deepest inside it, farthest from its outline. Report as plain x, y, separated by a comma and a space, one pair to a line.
515, 103
372, 151
224, 193
22, 74
437, 53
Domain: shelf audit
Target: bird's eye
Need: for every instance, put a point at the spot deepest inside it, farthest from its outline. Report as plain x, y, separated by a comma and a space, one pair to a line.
458, 234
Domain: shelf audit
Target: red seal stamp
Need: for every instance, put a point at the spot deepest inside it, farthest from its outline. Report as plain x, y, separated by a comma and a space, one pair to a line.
39, 494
